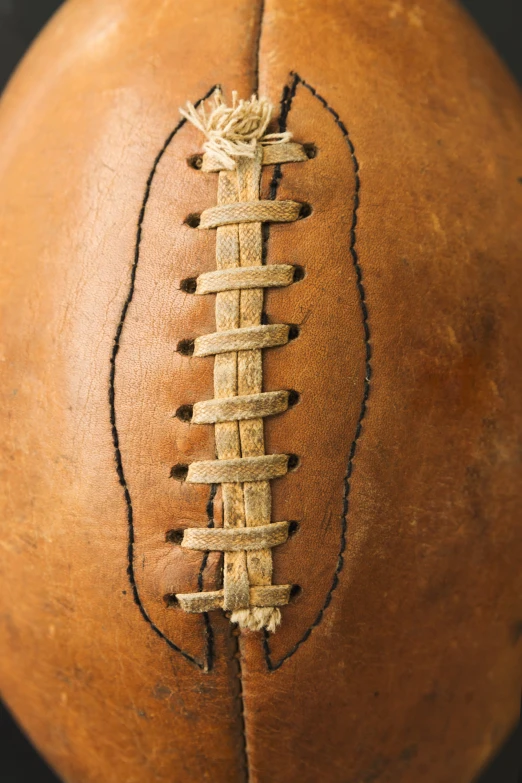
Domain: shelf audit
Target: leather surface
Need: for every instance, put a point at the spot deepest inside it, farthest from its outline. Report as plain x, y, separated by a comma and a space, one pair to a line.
400, 659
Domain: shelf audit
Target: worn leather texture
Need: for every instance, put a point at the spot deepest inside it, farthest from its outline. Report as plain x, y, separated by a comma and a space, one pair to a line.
400, 658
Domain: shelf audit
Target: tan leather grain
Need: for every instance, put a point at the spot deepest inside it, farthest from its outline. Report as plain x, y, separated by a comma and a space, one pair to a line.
399, 660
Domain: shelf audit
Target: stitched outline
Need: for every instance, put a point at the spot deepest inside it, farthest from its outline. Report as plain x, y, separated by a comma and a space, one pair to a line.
206, 664
210, 515
286, 104
241, 702
257, 45
209, 631
289, 92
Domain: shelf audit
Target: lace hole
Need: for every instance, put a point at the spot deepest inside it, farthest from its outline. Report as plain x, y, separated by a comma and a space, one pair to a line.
293, 332
293, 527
174, 536
189, 285
293, 398
295, 592
310, 150
305, 211
179, 472
170, 599
299, 273
196, 161
193, 220
293, 462
185, 347
184, 413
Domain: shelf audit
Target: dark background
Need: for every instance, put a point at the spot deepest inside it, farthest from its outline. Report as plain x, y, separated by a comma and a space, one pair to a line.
20, 21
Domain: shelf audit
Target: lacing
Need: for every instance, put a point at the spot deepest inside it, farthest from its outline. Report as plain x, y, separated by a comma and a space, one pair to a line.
237, 146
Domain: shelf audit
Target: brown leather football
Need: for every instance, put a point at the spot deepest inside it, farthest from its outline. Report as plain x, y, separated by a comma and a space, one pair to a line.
261, 411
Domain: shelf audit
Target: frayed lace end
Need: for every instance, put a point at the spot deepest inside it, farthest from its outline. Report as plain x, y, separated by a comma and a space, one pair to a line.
256, 618
234, 131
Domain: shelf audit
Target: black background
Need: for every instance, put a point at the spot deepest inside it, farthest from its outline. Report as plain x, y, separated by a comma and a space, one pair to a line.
20, 21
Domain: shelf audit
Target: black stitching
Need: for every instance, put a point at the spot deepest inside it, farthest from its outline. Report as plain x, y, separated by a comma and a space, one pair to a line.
285, 106
257, 45
205, 664
241, 700
286, 102
209, 631
211, 523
